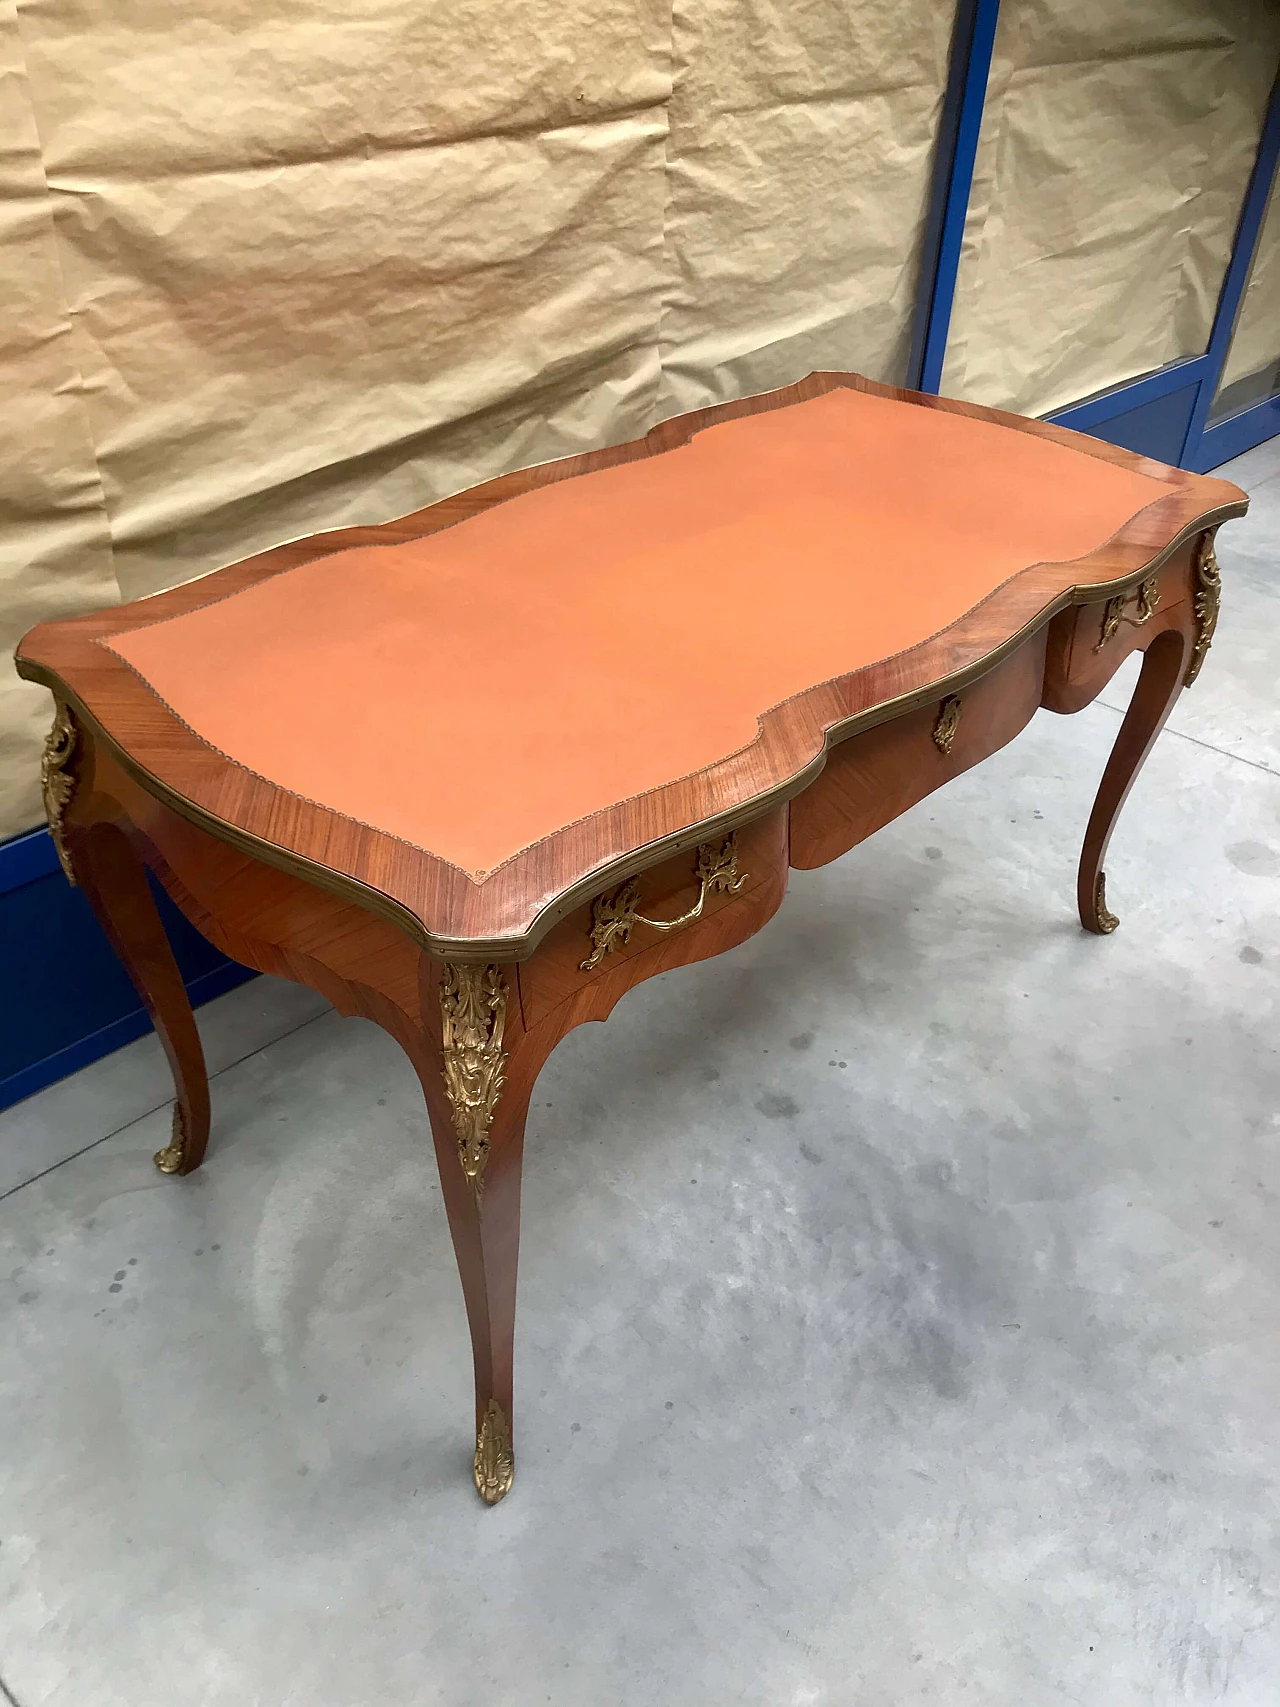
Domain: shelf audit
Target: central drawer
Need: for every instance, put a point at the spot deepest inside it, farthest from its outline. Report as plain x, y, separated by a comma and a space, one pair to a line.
872, 778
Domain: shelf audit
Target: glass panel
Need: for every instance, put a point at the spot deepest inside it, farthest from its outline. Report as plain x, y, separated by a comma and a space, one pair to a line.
1251, 373
1116, 147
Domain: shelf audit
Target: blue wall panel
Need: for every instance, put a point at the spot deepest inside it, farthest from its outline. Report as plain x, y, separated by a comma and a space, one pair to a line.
65, 1000
1156, 428
1236, 435
1150, 415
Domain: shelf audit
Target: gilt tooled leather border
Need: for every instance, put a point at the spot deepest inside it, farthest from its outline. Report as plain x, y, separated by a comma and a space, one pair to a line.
359, 886
441, 890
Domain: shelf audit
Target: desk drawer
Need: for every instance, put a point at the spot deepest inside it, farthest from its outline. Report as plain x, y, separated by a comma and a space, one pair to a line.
606, 935
873, 778
1088, 643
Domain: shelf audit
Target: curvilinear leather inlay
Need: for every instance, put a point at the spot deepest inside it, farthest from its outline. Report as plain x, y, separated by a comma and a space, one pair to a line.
591, 640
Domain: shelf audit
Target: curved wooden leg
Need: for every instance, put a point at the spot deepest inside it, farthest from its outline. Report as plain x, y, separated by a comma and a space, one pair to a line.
477, 1122
1158, 687
114, 880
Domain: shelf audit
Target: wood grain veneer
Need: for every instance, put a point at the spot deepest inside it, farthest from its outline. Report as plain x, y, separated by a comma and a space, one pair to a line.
503, 917
395, 934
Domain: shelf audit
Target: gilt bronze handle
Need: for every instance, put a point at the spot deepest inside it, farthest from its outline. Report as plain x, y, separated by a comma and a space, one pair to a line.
1147, 597
614, 917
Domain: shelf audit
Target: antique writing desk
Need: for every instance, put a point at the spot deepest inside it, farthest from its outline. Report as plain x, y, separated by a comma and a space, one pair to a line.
475, 773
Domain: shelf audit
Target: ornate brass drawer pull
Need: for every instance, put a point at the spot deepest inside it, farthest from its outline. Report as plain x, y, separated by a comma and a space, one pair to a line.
1147, 598
614, 917
946, 723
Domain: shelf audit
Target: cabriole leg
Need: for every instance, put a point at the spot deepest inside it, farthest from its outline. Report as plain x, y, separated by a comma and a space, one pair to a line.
96, 853
114, 880
1163, 670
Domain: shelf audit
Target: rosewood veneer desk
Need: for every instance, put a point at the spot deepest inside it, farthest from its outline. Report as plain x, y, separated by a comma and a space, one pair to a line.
476, 773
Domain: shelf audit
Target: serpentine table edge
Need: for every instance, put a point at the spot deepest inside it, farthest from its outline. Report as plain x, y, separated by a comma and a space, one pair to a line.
479, 1005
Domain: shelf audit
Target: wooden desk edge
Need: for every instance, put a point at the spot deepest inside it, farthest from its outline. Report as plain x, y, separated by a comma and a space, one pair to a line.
426, 888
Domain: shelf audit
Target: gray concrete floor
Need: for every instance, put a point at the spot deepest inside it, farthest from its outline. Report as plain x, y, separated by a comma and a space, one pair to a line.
900, 1300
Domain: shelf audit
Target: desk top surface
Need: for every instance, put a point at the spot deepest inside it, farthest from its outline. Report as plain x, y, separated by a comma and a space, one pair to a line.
475, 720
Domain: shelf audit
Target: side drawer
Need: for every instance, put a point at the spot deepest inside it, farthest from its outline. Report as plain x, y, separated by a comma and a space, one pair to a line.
1088, 643
601, 938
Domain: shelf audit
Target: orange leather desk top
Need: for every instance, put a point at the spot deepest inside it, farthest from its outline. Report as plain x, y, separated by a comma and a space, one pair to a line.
474, 691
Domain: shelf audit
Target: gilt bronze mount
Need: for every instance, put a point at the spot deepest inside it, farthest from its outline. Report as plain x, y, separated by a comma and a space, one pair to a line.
1208, 601
170, 1159
58, 781
948, 721
473, 1008
494, 1466
614, 917
1146, 600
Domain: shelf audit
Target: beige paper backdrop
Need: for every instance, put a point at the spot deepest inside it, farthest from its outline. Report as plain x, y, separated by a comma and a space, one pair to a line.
55, 548
798, 176
280, 265
1255, 341
1115, 151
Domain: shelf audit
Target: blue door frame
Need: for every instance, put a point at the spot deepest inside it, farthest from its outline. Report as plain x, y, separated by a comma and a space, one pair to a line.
1161, 414
64, 997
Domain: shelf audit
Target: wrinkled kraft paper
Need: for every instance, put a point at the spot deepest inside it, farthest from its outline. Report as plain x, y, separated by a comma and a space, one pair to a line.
1115, 151
288, 265
291, 264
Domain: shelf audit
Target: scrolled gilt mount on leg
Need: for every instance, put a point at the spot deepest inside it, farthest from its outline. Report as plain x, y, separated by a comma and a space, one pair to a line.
170, 1159
1208, 600
473, 1007
614, 917
58, 781
494, 1465
1105, 920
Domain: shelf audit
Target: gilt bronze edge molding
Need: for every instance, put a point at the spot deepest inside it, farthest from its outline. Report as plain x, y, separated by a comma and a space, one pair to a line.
342, 884
1089, 592
506, 950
